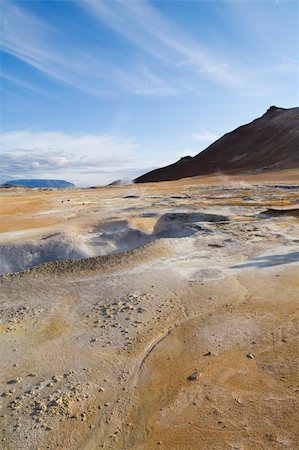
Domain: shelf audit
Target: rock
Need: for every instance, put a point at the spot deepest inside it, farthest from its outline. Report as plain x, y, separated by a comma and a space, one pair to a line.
194, 376
55, 378
14, 381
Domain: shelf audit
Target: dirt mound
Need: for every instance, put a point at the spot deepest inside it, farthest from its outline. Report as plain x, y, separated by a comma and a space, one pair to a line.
110, 238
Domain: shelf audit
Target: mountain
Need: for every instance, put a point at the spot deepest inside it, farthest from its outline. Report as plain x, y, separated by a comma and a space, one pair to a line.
270, 142
39, 183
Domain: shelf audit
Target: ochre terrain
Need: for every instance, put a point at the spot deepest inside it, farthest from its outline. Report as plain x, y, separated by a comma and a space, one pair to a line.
178, 332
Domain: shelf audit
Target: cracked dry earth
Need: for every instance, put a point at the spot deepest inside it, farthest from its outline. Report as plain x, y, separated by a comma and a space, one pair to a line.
187, 341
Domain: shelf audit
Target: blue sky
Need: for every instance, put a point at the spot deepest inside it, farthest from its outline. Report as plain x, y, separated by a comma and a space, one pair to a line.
93, 90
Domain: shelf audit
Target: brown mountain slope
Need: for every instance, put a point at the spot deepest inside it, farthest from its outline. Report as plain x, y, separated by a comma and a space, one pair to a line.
270, 142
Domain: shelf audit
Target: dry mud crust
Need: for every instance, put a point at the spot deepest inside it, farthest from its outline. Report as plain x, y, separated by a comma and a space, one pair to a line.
138, 396
74, 363
102, 352
246, 393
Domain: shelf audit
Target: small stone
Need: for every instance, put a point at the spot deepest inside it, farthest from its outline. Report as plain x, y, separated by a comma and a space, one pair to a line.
14, 381
194, 376
55, 378
40, 406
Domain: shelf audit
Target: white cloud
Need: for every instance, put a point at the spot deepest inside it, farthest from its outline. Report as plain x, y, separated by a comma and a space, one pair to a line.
83, 158
289, 60
204, 135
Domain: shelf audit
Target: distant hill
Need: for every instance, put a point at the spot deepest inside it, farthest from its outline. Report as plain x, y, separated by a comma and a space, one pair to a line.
120, 183
39, 183
270, 142
115, 183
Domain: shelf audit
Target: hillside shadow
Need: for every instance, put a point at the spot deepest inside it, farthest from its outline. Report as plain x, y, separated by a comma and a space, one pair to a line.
269, 261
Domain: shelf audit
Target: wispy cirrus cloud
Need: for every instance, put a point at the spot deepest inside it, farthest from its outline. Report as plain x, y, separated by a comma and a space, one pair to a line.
152, 54
42, 46
24, 84
148, 29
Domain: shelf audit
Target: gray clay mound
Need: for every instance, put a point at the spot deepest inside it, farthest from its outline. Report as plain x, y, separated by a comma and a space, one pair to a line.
112, 237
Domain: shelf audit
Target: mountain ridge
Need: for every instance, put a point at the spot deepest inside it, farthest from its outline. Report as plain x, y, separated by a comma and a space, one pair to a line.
269, 142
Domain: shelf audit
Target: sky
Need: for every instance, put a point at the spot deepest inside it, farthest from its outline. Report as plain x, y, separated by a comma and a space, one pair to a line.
93, 91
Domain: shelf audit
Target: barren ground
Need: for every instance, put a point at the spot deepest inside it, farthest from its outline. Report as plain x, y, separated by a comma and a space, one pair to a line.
151, 316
